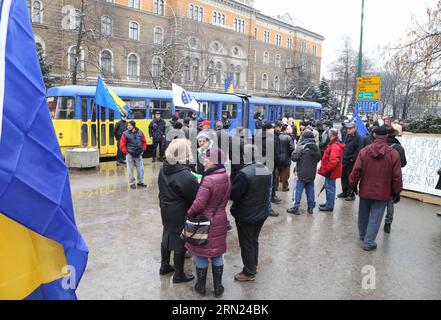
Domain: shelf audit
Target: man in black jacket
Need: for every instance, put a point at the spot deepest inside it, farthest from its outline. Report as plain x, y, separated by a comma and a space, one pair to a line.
251, 195
284, 159
393, 142
353, 145
120, 128
307, 156
157, 133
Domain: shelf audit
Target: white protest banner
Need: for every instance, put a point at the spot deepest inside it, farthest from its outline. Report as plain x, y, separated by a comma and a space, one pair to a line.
423, 153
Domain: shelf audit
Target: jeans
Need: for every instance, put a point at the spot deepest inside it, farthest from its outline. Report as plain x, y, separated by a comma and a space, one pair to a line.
390, 212
330, 193
370, 216
249, 245
310, 194
131, 163
202, 262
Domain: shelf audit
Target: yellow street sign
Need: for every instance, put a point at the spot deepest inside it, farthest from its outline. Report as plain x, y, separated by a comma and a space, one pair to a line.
369, 88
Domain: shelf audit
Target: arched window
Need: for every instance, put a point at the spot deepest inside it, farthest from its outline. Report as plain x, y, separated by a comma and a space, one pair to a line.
74, 19
157, 67
191, 11
187, 74
211, 74
196, 70
201, 14
134, 31
278, 61
37, 12
266, 57
237, 74
74, 60
133, 65
218, 73
276, 83
106, 26
265, 81
106, 62
158, 35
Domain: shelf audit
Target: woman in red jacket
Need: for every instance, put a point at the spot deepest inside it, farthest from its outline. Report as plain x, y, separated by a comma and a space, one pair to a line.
331, 168
211, 201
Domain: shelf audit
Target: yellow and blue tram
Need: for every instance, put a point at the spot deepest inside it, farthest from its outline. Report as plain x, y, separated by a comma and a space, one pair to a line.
78, 122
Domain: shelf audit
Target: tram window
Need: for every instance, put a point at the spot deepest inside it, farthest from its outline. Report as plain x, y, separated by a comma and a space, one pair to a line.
138, 108
259, 110
164, 107
84, 116
183, 113
93, 133
111, 115
309, 113
300, 113
290, 112
103, 134
230, 110
205, 108
93, 111
61, 108
112, 134
85, 135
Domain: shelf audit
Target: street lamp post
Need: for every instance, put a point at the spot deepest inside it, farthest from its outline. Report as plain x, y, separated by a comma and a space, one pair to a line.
360, 53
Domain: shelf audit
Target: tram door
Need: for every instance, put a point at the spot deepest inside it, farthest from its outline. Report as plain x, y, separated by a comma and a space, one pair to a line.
102, 128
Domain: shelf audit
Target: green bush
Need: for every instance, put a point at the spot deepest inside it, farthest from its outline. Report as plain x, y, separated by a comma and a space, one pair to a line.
429, 124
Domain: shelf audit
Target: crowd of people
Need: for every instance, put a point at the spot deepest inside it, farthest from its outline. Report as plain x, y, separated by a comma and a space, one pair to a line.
197, 184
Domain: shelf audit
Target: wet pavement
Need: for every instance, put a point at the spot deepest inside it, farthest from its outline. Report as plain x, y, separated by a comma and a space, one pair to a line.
301, 257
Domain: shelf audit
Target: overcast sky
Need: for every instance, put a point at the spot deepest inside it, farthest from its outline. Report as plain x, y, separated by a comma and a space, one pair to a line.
385, 20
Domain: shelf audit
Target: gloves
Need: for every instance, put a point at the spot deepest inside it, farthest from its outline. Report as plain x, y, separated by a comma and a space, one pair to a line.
328, 175
396, 198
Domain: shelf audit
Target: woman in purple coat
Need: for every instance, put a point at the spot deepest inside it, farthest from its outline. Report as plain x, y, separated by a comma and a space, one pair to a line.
211, 201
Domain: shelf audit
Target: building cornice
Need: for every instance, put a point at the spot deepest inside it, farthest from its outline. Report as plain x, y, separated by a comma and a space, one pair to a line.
284, 24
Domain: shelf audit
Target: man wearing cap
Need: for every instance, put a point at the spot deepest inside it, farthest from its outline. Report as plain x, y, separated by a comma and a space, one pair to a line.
378, 170
120, 128
133, 145
206, 125
157, 133
353, 145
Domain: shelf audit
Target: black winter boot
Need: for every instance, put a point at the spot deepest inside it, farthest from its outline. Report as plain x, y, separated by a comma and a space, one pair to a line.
166, 268
217, 281
180, 276
202, 279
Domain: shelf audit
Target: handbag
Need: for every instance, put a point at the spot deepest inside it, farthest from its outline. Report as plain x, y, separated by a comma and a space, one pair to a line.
196, 230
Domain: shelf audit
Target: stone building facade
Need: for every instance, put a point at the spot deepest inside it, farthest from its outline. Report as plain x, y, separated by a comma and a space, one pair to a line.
195, 43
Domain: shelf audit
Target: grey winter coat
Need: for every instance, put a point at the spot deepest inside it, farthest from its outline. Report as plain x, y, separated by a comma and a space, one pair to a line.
307, 156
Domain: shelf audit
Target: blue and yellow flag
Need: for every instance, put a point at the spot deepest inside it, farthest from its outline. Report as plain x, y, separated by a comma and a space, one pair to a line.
107, 98
42, 253
229, 84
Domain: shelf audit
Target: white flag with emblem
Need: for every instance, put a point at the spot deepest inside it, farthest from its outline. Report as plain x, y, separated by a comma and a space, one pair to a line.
182, 99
